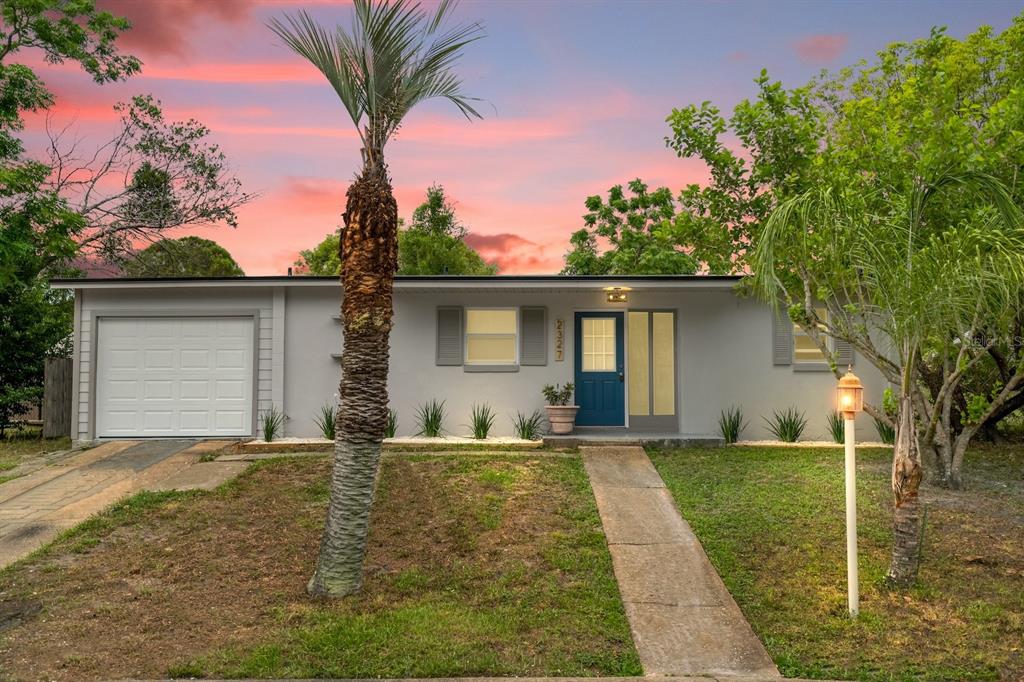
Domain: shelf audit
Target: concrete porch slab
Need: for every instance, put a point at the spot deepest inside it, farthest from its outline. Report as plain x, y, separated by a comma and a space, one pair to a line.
615, 437
620, 467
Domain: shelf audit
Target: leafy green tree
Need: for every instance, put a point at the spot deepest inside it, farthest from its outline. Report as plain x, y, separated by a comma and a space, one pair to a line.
178, 179
638, 232
394, 56
63, 31
913, 238
37, 227
35, 320
779, 133
323, 259
434, 243
434, 253
709, 227
184, 257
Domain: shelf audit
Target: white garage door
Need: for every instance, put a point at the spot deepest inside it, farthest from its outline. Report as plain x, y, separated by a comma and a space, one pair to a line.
174, 376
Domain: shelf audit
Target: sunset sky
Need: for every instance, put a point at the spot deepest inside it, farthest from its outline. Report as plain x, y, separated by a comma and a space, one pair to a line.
576, 94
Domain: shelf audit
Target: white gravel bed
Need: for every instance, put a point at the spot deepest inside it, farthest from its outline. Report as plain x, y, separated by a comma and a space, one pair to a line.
810, 444
410, 440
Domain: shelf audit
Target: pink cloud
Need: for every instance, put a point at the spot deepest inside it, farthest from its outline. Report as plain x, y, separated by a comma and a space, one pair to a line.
163, 28
256, 73
824, 47
514, 254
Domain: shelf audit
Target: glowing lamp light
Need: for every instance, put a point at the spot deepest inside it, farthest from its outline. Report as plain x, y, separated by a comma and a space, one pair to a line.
850, 395
617, 295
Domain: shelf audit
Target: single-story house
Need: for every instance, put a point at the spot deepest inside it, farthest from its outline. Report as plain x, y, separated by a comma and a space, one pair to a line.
666, 354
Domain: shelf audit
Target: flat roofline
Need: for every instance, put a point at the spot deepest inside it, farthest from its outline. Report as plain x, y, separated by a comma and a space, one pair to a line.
422, 283
74, 282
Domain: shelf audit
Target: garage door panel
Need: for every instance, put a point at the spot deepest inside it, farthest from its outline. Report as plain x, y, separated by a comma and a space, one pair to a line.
122, 421
161, 328
160, 421
195, 420
229, 421
123, 358
158, 358
188, 376
228, 389
195, 389
198, 358
123, 389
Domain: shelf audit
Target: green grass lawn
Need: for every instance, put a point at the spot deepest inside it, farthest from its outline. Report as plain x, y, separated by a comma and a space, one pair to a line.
21, 445
477, 565
772, 521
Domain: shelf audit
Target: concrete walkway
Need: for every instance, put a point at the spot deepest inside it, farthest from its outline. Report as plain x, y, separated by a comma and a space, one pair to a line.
36, 507
683, 620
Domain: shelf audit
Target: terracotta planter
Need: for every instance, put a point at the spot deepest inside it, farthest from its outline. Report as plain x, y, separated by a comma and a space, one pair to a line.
562, 418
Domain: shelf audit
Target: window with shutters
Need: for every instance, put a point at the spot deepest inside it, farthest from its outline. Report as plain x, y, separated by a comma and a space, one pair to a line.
804, 348
492, 336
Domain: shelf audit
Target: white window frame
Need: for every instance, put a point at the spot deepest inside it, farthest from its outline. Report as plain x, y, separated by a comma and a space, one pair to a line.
799, 332
466, 334
615, 338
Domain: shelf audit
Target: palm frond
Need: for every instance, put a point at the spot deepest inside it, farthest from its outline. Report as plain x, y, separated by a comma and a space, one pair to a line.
394, 56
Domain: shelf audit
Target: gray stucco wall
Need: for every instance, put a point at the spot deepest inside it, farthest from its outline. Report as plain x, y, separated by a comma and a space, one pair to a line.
723, 358
723, 354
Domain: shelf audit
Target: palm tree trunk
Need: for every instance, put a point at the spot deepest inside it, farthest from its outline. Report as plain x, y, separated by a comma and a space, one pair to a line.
906, 481
368, 261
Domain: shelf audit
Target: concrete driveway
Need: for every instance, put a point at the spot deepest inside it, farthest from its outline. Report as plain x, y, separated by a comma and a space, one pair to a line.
35, 508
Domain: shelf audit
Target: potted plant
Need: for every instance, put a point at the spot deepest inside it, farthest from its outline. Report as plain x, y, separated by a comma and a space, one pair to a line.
561, 414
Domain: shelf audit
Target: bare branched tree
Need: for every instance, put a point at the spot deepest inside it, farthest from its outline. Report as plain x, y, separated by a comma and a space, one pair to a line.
153, 176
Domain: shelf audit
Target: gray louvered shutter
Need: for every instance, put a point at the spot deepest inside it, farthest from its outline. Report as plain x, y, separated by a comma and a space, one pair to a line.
844, 354
449, 336
782, 337
533, 335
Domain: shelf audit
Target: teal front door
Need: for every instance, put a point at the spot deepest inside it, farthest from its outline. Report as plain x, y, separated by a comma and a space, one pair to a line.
599, 377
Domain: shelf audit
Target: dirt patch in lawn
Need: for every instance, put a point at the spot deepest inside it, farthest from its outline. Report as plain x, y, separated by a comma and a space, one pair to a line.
475, 566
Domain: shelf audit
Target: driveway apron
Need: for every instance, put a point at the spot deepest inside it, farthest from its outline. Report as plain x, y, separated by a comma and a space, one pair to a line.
36, 507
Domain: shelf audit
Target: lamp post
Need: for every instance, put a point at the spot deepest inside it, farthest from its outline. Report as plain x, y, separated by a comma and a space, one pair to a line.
850, 397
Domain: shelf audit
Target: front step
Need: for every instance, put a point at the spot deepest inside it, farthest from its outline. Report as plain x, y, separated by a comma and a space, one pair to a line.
659, 440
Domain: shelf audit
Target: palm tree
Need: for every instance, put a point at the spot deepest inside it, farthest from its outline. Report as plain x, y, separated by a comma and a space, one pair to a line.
899, 281
395, 56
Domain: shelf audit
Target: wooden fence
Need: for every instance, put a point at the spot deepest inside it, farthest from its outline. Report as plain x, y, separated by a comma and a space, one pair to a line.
57, 398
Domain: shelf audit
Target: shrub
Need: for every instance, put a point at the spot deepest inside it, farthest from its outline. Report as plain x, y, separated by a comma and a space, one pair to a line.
483, 421
325, 421
836, 427
272, 423
558, 396
391, 427
787, 425
731, 423
430, 419
886, 432
528, 427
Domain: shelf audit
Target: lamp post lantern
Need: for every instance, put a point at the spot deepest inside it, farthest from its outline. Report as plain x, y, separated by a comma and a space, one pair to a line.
850, 398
